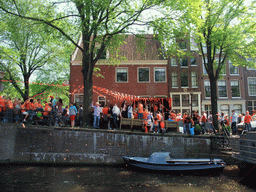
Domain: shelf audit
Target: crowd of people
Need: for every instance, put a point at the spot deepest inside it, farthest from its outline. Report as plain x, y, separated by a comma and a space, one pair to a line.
33, 111
155, 114
107, 117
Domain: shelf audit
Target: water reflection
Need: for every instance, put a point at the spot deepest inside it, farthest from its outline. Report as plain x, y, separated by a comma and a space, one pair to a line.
97, 178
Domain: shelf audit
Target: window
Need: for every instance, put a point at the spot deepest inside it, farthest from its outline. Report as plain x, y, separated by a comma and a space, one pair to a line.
160, 74
252, 86
173, 62
182, 45
194, 98
235, 89
183, 62
251, 105
223, 69
252, 62
121, 75
224, 109
207, 88
238, 109
102, 101
222, 88
176, 100
208, 109
184, 79
193, 61
143, 75
194, 79
174, 79
185, 100
233, 70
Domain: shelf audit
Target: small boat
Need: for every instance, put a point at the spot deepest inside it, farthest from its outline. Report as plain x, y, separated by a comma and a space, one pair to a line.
162, 161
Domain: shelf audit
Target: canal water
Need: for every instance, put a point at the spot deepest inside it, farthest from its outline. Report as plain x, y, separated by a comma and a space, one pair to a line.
117, 178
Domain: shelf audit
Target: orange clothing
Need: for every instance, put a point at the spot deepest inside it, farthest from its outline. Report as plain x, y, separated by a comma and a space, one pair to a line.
35, 105
162, 124
155, 108
145, 115
39, 105
27, 104
23, 108
2, 104
247, 118
173, 116
31, 106
156, 123
105, 110
135, 115
159, 117
9, 104
140, 108
47, 109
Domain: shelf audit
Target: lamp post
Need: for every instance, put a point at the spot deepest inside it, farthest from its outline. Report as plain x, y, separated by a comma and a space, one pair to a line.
191, 101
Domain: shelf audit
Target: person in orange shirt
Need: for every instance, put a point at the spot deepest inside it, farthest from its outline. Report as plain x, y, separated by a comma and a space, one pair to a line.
247, 121
105, 112
24, 111
156, 125
173, 115
162, 126
145, 114
47, 109
140, 110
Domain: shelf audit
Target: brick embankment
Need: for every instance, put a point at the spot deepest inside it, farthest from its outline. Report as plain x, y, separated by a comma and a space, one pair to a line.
58, 145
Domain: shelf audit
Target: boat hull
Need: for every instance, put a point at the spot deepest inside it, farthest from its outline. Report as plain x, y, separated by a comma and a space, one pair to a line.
175, 167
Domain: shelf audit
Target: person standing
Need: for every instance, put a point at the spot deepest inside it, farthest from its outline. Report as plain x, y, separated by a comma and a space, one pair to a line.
80, 115
233, 120
247, 121
140, 110
72, 114
96, 115
116, 114
130, 111
124, 108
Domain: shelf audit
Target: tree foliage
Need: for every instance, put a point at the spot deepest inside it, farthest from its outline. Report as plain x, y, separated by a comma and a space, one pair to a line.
222, 30
99, 22
29, 48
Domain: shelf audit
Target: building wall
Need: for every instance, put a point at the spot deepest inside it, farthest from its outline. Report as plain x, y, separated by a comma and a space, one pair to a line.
249, 73
148, 57
227, 104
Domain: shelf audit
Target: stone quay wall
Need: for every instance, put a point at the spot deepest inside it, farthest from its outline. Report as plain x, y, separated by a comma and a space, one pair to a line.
90, 146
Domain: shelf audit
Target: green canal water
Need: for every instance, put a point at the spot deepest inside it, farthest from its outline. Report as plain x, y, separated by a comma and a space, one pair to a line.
121, 178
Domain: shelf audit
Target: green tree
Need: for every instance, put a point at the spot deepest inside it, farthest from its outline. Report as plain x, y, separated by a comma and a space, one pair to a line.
28, 48
222, 30
100, 23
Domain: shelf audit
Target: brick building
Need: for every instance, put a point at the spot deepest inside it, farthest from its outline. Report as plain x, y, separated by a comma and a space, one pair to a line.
147, 74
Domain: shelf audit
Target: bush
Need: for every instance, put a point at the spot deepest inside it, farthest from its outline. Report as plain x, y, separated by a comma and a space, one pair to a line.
197, 129
228, 128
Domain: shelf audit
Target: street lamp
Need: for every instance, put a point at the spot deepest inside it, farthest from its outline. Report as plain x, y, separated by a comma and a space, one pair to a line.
191, 101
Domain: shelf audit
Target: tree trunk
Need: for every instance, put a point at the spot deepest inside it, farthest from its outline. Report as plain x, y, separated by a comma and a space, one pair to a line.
88, 93
214, 103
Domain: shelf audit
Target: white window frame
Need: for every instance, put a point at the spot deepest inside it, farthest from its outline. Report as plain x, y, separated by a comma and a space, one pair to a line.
165, 73
176, 79
182, 66
148, 75
127, 74
238, 87
233, 74
206, 84
219, 81
196, 61
250, 60
248, 80
194, 77
174, 62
